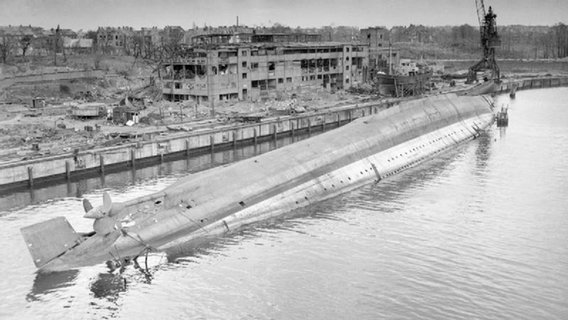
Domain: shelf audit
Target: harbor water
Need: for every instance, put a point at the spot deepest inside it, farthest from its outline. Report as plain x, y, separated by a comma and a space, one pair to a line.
480, 232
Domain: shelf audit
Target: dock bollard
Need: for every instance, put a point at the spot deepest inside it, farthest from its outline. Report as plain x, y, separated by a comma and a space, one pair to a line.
67, 170
31, 176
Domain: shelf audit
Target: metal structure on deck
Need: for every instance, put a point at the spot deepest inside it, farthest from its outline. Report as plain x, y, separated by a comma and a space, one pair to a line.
489, 41
413, 87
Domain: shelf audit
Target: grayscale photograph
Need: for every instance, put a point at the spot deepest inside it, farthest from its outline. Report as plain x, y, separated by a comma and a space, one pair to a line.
269, 159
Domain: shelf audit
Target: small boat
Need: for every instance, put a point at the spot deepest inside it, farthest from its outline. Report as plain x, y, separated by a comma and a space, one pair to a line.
502, 117
513, 92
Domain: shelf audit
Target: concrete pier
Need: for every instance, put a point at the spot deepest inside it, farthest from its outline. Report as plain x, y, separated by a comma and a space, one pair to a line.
96, 161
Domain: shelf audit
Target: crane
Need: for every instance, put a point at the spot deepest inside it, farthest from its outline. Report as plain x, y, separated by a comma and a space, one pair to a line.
489, 41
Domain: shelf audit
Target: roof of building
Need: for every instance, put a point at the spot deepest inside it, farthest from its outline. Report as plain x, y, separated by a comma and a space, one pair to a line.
279, 44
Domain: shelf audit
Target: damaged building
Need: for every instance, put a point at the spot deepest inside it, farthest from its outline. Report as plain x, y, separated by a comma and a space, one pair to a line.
381, 54
261, 66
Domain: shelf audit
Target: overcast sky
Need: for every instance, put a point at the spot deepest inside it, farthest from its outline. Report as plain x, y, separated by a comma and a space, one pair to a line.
89, 14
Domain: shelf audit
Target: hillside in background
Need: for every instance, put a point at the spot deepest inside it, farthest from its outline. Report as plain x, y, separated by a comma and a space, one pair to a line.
458, 42
463, 42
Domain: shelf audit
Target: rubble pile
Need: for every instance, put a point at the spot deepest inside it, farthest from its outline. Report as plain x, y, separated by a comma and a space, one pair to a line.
55, 117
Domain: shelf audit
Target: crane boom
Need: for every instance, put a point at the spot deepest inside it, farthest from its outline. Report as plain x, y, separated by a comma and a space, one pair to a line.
480, 11
489, 41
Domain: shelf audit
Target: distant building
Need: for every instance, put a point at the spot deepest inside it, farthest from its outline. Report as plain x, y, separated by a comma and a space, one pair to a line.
80, 45
111, 40
254, 71
381, 55
146, 40
220, 38
297, 37
200, 34
242, 37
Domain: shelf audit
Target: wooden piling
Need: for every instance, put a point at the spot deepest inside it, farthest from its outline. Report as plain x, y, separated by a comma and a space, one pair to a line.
255, 138
67, 169
309, 126
102, 164
323, 124
275, 132
212, 143
338, 120
133, 158
234, 139
31, 176
187, 147
292, 128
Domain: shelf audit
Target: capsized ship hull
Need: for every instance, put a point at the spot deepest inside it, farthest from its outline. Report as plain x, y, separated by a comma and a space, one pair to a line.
213, 202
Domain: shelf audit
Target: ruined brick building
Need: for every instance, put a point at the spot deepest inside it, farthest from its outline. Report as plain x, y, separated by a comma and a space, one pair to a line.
380, 50
257, 66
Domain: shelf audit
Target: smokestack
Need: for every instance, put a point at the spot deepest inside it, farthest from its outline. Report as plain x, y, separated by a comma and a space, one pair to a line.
237, 21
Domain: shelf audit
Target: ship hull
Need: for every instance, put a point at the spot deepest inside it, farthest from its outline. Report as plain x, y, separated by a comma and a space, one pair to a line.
415, 84
221, 200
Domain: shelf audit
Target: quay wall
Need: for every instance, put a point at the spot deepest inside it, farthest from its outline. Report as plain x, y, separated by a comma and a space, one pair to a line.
53, 76
66, 166
532, 83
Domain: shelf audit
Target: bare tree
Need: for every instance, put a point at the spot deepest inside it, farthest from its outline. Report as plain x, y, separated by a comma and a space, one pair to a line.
6, 46
93, 36
25, 42
561, 31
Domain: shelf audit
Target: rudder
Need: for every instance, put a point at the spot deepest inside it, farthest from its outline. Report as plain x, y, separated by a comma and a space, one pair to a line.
49, 239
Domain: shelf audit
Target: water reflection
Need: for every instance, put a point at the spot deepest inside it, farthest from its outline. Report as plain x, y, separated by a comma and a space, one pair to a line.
483, 152
115, 178
502, 132
46, 283
108, 286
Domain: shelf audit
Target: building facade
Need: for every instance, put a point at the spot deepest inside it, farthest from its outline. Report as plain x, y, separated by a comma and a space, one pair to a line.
112, 40
256, 71
381, 54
